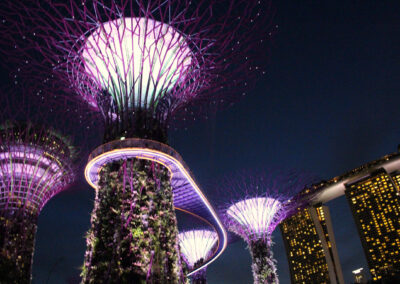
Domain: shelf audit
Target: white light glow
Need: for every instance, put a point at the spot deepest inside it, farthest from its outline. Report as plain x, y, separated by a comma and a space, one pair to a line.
196, 245
255, 215
137, 60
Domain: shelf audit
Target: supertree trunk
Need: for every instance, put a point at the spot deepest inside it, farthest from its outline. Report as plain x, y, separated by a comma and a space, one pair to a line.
17, 240
133, 235
200, 277
263, 266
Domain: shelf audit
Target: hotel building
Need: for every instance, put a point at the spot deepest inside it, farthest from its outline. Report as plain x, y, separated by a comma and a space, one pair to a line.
310, 246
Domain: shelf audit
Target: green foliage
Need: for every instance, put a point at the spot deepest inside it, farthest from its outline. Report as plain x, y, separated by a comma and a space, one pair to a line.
264, 265
200, 277
133, 236
17, 240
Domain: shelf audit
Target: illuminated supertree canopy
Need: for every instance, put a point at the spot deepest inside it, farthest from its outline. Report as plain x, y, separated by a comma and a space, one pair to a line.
36, 163
136, 59
196, 246
140, 64
257, 217
259, 203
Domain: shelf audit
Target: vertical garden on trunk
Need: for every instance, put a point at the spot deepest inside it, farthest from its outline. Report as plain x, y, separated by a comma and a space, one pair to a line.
133, 236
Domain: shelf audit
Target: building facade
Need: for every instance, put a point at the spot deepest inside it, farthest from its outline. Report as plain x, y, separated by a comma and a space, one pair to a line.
375, 203
310, 247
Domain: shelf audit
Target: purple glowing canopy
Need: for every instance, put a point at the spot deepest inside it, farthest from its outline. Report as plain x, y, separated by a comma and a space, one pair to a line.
257, 216
35, 164
137, 61
260, 201
37, 156
149, 59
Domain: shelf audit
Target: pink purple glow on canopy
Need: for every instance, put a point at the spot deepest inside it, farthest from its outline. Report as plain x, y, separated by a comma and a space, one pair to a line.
255, 216
196, 245
136, 60
34, 166
260, 200
130, 59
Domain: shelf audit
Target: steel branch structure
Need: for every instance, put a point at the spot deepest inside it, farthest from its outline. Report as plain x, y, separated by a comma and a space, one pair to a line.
141, 64
257, 217
264, 202
196, 247
35, 165
37, 161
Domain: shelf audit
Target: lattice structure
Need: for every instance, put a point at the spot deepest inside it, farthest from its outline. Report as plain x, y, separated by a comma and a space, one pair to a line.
196, 246
256, 217
269, 199
35, 164
139, 64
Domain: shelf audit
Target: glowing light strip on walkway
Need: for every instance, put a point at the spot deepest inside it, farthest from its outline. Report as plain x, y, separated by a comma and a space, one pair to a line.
158, 157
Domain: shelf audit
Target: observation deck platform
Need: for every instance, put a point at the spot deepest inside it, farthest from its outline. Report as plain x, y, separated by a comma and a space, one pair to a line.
188, 196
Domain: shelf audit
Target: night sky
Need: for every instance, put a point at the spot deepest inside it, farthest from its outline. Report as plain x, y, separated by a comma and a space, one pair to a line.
328, 103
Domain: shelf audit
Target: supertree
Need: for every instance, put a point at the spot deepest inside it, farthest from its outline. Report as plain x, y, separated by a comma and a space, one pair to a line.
259, 202
140, 64
196, 246
36, 163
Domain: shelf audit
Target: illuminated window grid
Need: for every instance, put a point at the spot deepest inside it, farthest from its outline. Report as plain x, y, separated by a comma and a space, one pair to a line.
306, 257
322, 220
375, 205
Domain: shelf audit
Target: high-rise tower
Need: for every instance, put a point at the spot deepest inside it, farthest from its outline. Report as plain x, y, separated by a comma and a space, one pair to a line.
375, 203
310, 246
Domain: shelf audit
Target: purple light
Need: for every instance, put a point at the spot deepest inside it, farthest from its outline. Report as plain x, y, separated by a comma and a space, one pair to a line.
141, 64
255, 216
261, 201
188, 197
196, 245
25, 162
34, 166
